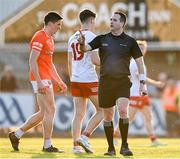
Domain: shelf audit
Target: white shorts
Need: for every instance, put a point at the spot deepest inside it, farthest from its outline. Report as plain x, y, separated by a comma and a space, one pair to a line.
47, 83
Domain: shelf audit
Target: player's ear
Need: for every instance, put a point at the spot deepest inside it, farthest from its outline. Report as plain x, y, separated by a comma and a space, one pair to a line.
123, 25
50, 23
91, 20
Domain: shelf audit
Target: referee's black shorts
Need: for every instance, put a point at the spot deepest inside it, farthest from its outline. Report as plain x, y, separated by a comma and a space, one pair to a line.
111, 88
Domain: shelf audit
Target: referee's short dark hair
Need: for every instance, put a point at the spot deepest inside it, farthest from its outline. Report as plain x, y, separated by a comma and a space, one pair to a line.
52, 17
85, 15
123, 17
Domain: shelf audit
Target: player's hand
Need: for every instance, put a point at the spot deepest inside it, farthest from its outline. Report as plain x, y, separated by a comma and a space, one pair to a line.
42, 88
143, 89
81, 38
63, 87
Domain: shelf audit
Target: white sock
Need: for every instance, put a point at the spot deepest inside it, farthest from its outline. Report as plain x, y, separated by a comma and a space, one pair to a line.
19, 133
47, 143
84, 137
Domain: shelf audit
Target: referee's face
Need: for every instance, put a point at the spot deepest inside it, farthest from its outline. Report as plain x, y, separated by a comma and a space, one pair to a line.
115, 24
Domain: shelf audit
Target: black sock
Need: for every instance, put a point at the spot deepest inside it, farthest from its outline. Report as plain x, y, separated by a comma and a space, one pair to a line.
109, 129
123, 127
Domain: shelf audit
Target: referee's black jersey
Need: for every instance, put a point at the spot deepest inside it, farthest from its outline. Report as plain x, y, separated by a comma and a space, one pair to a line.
115, 53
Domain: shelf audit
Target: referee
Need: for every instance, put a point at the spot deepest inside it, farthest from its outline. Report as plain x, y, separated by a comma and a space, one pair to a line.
115, 50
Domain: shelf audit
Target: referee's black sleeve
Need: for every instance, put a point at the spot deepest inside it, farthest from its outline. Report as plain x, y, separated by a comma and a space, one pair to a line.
96, 42
136, 52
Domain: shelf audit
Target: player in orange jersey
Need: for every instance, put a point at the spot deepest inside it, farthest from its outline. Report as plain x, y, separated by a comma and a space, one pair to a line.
43, 75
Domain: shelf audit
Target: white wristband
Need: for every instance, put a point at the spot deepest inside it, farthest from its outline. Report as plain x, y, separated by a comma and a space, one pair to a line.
142, 77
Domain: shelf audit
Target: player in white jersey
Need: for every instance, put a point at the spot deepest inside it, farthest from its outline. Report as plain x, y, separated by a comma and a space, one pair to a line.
84, 83
140, 103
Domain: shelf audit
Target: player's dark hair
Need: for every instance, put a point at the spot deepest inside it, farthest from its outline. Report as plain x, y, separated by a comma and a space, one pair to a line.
85, 15
52, 17
123, 17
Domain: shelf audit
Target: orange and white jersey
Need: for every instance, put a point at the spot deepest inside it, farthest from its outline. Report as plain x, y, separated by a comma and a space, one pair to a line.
43, 43
134, 91
83, 70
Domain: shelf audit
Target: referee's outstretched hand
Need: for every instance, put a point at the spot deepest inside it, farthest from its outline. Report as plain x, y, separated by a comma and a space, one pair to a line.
81, 38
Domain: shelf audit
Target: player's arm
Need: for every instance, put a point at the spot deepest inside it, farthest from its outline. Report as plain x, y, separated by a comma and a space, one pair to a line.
70, 63
95, 58
141, 68
34, 55
142, 75
155, 83
59, 81
138, 56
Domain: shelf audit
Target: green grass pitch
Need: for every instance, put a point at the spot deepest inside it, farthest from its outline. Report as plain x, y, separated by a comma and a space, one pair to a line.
31, 148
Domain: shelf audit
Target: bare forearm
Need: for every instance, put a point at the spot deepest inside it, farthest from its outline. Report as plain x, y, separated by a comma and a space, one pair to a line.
70, 64
151, 81
35, 70
95, 58
96, 62
56, 74
155, 83
69, 69
141, 65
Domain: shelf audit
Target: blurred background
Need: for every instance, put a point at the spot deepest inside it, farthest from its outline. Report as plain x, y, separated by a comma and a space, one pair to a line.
155, 21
